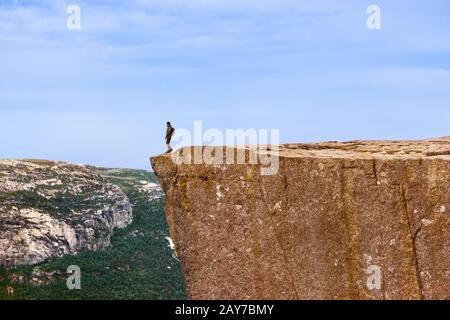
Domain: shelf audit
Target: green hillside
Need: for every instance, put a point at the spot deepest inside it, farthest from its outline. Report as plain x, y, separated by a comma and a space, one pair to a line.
139, 265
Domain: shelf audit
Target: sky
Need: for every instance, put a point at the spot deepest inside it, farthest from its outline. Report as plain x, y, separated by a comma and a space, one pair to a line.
102, 94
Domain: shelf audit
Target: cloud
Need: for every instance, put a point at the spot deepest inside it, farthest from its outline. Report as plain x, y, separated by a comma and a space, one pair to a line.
310, 67
229, 4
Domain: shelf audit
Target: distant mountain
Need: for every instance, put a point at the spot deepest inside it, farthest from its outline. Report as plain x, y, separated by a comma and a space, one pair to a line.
43, 203
50, 208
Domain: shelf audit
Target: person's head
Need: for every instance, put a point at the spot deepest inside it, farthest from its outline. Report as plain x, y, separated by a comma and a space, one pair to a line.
169, 124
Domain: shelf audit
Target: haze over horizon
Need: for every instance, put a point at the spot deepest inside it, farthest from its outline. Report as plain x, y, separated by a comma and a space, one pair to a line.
102, 95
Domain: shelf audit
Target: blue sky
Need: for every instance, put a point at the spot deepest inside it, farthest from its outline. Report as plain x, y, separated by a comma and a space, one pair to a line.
101, 95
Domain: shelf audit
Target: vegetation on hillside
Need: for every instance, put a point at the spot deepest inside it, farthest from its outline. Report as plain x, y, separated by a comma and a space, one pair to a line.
139, 264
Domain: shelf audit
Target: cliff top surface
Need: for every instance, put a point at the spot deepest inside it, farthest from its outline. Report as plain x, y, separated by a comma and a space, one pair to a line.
362, 149
438, 147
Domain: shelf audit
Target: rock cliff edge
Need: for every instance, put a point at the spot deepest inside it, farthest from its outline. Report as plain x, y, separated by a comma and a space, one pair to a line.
352, 220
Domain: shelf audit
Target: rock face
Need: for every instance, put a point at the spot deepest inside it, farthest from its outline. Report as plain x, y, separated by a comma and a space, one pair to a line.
354, 220
54, 208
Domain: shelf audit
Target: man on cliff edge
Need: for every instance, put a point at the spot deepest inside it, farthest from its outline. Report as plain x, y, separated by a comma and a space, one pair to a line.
169, 133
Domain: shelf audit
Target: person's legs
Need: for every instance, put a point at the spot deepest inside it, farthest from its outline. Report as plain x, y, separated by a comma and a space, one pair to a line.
169, 148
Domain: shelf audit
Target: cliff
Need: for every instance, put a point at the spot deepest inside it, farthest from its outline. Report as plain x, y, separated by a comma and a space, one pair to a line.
353, 220
50, 208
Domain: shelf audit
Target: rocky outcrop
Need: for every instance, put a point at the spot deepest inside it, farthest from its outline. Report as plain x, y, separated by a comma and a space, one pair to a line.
353, 220
52, 208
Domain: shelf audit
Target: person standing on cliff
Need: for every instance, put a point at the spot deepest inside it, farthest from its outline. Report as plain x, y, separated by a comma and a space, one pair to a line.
169, 134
